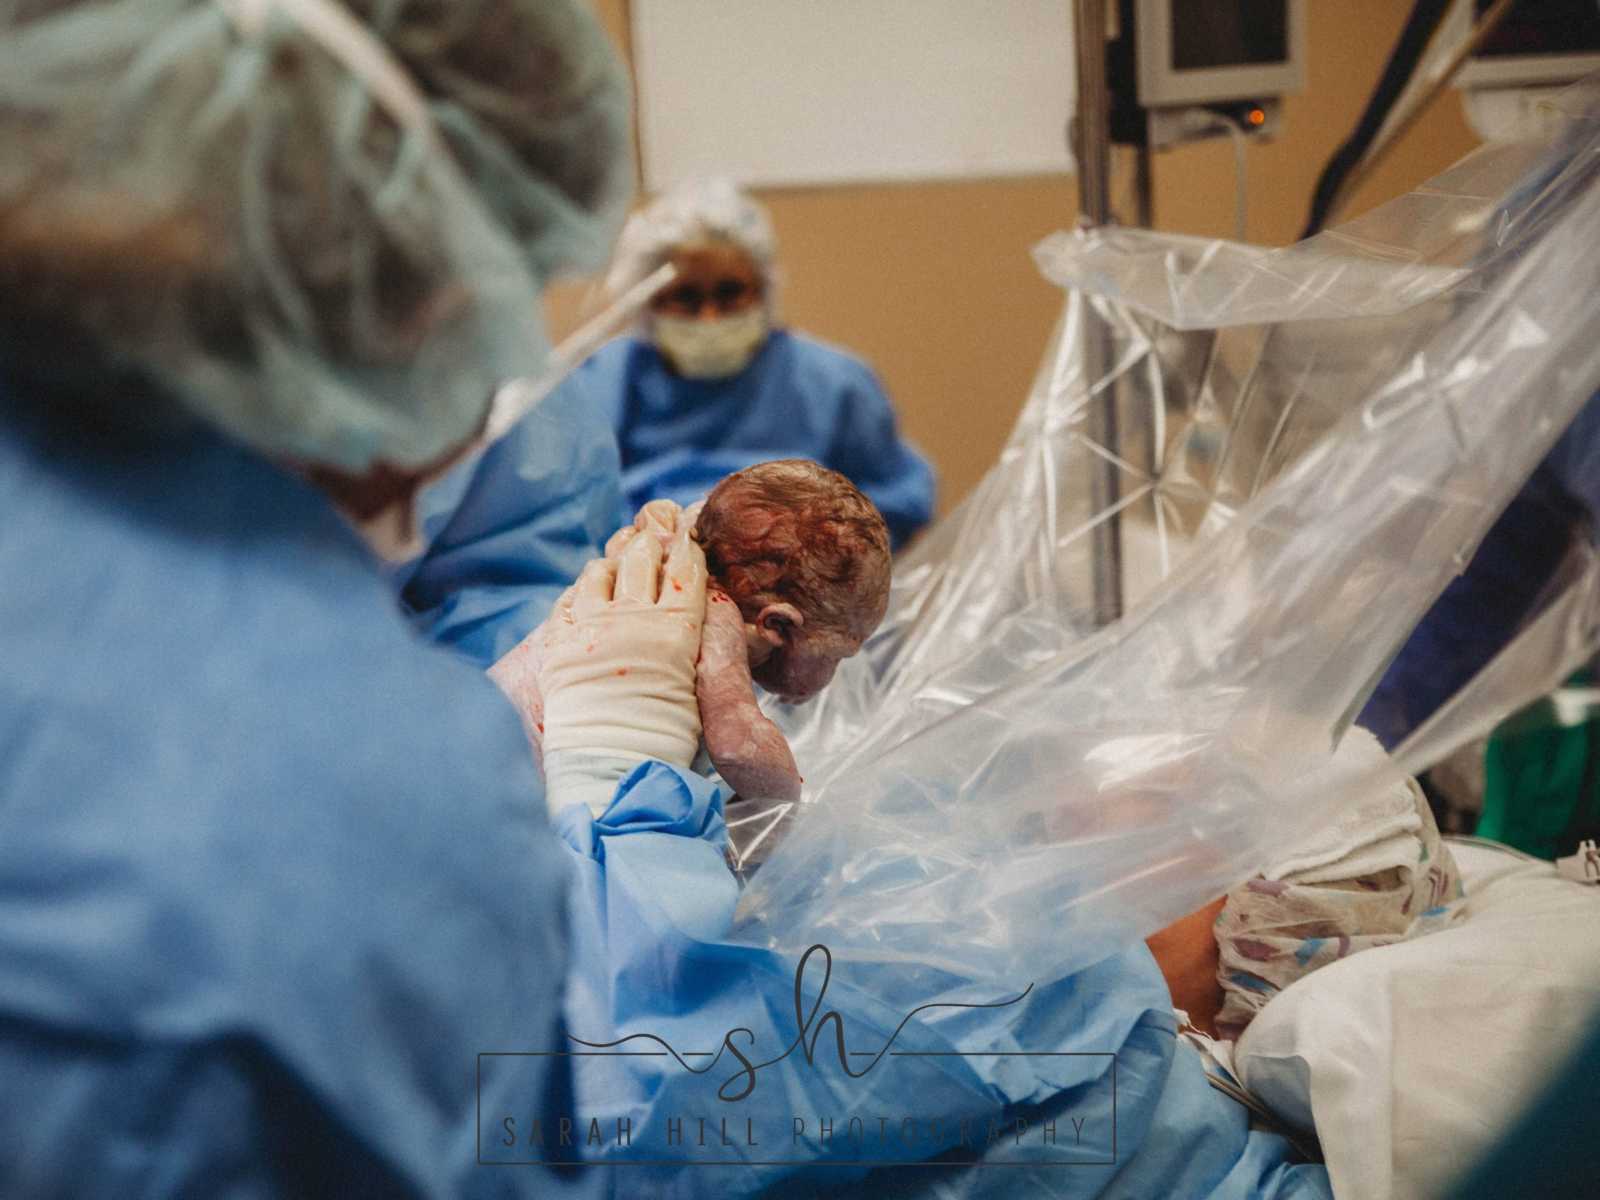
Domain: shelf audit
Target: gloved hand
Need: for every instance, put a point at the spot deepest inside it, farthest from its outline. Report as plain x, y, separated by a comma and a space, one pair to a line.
662, 518
616, 663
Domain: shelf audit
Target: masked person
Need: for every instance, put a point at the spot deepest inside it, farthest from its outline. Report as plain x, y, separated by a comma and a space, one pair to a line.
272, 871
712, 384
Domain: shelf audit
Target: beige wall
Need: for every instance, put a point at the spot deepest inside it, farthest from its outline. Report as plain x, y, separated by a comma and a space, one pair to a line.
932, 282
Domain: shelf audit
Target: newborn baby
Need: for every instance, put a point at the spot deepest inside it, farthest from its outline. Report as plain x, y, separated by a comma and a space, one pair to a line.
799, 569
799, 566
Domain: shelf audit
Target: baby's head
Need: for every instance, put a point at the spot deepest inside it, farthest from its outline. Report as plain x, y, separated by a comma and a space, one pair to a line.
806, 557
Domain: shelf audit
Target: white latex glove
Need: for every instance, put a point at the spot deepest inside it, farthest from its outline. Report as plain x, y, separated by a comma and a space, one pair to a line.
616, 660
662, 518
517, 672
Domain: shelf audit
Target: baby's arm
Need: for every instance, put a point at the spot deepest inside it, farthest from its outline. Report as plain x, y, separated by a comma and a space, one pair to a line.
749, 751
517, 675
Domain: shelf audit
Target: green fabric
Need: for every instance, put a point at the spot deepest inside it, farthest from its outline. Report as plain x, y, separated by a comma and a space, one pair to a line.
1539, 784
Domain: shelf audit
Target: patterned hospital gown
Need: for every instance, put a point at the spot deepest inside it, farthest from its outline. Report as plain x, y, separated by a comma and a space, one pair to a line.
1280, 927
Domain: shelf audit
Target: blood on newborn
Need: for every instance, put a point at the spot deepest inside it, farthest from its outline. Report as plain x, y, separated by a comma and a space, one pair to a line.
804, 557
798, 577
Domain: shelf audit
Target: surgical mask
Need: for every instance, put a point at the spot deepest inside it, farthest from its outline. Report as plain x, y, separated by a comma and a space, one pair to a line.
713, 348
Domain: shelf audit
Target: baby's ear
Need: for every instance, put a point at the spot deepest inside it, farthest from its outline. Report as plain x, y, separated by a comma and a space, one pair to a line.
777, 622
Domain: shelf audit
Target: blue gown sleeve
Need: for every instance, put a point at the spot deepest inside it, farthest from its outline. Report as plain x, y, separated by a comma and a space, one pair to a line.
508, 533
1481, 609
869, 450
658, 968
1575, 460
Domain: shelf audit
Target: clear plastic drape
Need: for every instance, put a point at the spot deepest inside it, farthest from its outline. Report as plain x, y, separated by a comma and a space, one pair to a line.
1314, 440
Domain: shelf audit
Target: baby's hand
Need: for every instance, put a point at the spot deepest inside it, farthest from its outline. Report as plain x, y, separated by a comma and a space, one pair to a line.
748, 750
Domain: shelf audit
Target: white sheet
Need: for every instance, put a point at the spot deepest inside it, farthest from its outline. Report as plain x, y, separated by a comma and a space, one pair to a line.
1410, 1060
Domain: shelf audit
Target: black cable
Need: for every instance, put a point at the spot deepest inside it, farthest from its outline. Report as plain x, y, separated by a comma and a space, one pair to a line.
1397, 72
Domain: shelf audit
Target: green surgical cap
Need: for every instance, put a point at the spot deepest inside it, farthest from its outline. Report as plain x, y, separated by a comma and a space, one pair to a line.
240, 206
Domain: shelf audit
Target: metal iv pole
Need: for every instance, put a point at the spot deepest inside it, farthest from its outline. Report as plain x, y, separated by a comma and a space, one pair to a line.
1092, 149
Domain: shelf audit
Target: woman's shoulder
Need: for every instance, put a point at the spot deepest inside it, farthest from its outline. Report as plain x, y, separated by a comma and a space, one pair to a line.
823, 360
218, 706
199, 588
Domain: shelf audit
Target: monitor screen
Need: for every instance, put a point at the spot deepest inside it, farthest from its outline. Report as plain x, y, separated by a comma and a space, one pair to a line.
1245, 33
1544, 27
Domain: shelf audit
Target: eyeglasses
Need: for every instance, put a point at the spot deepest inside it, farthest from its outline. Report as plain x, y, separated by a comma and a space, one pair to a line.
725, 295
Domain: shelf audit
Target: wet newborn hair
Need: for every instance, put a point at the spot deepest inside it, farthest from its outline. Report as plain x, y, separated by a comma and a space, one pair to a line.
793, 531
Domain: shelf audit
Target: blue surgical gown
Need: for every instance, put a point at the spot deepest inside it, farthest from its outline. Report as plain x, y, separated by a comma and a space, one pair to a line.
798, 398
280, 913
1502, 586
506, 533
657, 961
272, 871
